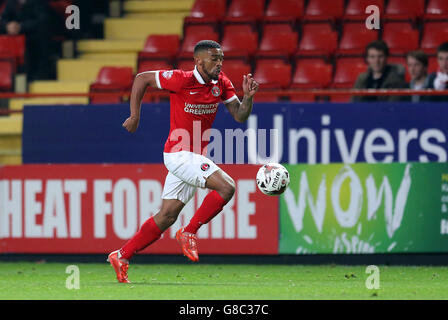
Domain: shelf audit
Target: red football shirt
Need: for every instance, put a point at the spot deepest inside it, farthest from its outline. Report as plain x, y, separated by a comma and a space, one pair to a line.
193, 107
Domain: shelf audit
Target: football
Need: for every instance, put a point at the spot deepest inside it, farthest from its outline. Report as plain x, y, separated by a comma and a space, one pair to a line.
272, 179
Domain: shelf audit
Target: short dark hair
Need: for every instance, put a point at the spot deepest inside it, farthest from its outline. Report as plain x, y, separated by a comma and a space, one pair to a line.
379, 45
205, 45
419, 56
443, 47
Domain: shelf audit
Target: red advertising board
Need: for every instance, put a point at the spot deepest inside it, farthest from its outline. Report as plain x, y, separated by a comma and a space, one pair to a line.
97, 208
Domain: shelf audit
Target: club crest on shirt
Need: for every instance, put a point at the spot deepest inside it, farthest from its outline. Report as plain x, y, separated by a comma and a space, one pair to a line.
167, 74
215, 91
205, 166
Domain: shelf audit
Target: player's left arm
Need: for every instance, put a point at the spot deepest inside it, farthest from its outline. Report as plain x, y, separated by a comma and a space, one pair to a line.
240, 111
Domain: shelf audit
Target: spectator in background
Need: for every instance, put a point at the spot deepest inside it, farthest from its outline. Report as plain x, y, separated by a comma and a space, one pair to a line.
417, 62
31, 18
380, 75
439, 80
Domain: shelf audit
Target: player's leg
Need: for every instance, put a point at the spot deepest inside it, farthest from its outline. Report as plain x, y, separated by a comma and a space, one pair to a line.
148, 233
223, 188
152, 229
199, 171
176, 193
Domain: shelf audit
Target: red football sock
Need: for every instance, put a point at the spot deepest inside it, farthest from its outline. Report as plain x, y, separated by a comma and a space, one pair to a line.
148, 233
210, 207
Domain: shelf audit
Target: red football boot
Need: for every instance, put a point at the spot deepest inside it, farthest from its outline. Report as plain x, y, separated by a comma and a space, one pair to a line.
188, 242
121, 267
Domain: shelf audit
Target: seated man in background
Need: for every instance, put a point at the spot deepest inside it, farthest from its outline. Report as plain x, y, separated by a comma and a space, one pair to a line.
417, 63
439, 80
380, 75
31, 18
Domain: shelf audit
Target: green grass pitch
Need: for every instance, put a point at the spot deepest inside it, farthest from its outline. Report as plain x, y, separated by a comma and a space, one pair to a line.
27, 280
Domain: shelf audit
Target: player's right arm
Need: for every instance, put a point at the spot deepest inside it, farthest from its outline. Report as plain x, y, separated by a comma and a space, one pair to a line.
141, 82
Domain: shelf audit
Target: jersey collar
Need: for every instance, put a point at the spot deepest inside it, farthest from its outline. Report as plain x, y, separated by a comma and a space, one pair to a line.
198, 77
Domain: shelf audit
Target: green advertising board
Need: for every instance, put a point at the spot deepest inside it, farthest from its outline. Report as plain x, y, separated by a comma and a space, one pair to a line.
365, 208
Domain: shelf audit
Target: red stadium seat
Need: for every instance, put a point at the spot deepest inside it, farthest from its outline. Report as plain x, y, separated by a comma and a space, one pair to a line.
185, 64
198, 28
240, 10
191, 39
358, 7
277, 27
235, 70
272, 74
13, 48
437, 10
237, 28
397, 10
113, 78
151, 65
206, 12
160, 46
398, 26
239, 44
347, 71
434, 34
278, 44
324, 10
437, 7
6, 74
284, 11
214, 9
355, 39
317, 39
312, 73
109, 80
400, 41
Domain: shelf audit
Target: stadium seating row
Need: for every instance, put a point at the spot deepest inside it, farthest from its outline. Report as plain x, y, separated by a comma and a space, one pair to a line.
281, 40
272, 74
284, 54
286, 10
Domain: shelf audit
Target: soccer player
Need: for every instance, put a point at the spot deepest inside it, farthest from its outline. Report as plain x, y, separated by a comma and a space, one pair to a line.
194, 99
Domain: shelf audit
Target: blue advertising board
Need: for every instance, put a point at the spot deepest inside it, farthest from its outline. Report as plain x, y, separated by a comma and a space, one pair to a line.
278, 132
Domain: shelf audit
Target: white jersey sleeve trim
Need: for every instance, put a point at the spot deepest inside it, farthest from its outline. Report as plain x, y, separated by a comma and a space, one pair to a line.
156, 76
158, 80
231, 99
